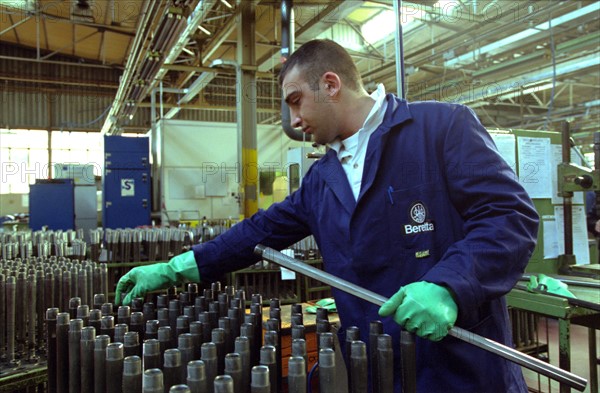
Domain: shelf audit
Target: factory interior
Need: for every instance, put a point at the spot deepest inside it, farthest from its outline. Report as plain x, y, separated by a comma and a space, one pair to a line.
132, 131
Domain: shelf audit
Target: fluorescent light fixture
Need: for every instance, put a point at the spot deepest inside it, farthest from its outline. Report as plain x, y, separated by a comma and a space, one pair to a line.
378, 27
202, 29
384, 23
23, 5
590, 104
503, 87
447, 7
504, 44
527, 90
196, 87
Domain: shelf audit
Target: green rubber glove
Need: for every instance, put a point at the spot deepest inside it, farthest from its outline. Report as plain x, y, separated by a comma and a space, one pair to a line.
139, 280
423, 308
549, 284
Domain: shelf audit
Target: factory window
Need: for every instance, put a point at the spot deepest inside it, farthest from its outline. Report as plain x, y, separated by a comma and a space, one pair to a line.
23, 158
80, 148
24, 155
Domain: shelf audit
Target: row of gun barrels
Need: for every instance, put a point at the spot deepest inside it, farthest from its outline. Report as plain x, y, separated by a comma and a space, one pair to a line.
119, 245
208, 343
28, 287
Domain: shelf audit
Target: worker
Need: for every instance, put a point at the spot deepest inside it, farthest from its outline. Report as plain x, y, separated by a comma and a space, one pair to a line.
411, 201
591, 214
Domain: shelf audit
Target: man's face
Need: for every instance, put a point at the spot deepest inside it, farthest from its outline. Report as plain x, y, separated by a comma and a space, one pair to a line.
313, 110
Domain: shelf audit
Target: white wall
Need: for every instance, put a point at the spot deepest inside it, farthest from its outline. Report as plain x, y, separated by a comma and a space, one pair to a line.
199, 161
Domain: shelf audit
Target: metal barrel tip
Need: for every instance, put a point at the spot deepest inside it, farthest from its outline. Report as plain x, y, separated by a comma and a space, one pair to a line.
259, 249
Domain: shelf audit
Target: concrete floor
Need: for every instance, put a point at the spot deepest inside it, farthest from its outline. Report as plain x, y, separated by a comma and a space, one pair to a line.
579, 356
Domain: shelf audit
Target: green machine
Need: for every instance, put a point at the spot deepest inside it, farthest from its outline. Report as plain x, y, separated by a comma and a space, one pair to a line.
557, 179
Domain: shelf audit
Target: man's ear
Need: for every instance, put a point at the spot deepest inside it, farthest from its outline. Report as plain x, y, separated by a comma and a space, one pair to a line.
331, 82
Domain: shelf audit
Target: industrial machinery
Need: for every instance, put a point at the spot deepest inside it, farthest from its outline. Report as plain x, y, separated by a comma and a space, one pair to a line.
572, 178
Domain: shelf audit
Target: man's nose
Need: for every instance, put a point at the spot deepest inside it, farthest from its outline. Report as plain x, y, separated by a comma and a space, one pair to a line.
296, 120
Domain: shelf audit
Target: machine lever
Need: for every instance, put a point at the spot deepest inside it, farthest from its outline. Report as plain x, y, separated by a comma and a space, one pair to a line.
501, 350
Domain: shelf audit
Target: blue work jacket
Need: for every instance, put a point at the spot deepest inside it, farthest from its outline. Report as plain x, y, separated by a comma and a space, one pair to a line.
437, 203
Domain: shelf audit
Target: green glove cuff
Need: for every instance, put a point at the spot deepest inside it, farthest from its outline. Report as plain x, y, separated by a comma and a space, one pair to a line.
185, 268
142, 279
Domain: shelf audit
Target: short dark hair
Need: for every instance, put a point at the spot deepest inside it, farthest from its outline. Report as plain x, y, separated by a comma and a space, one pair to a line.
317, 57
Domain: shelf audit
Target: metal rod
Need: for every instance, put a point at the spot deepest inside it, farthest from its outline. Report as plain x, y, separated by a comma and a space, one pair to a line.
567, 197
152, 381
385, 360
408, 359
375, 329
88, 336
327, 373
223, 384
268, 357
151, 354
172, 368
51, 315
75, 326
100, 345
233, 368
62, 352
359, 367
399, 50
501, 350
242, 347
196, 376
260, 380
132, 374
296, 375
209, 357
114, 367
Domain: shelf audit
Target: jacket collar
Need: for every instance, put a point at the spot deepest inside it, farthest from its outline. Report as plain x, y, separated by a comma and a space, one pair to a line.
397, 113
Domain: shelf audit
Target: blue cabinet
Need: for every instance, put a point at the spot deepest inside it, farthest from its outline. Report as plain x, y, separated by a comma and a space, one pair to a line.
52, 204
126, 182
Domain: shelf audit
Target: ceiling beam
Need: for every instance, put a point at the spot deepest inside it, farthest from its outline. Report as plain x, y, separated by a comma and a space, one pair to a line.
84, 83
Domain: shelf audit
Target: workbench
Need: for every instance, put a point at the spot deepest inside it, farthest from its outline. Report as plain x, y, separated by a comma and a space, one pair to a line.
560, 309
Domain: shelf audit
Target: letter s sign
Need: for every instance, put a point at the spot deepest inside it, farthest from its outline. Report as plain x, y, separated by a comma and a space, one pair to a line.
127, 187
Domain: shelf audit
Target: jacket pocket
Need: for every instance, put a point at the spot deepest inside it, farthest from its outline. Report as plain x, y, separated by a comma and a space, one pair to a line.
412, 219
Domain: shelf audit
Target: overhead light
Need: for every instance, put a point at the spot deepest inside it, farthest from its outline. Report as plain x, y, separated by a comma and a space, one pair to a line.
204, 30
192, 91
24, 5
383, 24
590, 104
527, 90
226, 4
503, 44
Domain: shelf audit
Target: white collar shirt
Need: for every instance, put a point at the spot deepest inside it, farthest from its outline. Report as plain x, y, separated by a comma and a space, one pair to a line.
352, 151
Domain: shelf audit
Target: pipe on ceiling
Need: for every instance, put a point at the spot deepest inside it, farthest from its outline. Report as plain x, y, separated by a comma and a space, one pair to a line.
287, 46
